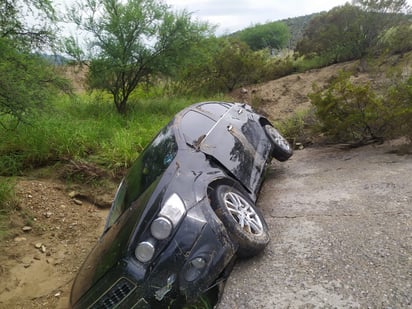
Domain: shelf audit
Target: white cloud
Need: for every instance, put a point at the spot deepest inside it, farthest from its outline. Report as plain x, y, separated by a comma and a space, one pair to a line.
232, 15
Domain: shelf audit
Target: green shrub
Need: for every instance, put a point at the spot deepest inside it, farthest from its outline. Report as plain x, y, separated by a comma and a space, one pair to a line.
303, 64
399, 98
350, 112
277, 67
300, 127
8, 201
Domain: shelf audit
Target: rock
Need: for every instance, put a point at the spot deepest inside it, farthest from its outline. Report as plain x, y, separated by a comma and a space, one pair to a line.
43, 249
299, 146
72, 194
48, 214
38, 245
27, 228
77, 202
19, 239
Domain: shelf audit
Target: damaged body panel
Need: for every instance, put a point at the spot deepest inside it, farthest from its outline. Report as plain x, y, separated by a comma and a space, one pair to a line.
183, 212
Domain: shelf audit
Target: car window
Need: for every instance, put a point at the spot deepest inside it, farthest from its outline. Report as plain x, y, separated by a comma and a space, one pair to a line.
150, 165
216, 109
195, 126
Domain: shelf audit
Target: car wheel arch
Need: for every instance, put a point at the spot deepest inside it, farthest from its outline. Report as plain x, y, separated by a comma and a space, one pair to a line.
248, 243
225, 182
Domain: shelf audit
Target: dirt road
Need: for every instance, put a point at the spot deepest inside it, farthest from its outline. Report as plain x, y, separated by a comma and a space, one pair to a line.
341, 234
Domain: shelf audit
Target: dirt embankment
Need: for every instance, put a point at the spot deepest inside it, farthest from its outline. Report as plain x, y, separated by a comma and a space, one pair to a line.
53, 233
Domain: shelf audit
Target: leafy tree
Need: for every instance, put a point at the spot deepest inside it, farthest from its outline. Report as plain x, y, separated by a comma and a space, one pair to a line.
397, 39
195, 75
236, 65
334, 35
13, 22
377, 17
226, 63
352, 31
131, 42
26, 80
271, 35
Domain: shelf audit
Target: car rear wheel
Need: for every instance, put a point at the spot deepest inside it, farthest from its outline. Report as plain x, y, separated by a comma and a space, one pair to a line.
244, 222
281, 147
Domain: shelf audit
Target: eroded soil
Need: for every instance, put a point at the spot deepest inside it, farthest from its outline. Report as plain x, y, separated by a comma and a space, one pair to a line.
37, 266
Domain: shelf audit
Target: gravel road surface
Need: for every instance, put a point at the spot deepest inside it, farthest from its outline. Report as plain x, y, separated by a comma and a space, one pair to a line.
341, 233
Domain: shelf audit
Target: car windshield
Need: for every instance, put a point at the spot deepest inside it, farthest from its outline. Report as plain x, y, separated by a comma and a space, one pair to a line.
150, 165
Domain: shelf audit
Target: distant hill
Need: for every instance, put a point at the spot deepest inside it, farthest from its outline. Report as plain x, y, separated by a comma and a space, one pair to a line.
297, 26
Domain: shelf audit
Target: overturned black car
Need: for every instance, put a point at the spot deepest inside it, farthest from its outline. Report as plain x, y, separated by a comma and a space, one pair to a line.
184, 211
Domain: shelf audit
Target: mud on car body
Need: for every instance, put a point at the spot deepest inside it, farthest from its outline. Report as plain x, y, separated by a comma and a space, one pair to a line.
184, 211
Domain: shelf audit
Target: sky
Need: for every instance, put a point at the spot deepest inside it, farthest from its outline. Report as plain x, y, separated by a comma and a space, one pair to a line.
233, 15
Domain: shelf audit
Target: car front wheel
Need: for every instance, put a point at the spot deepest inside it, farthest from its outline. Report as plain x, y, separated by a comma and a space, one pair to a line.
244, 222
281, 147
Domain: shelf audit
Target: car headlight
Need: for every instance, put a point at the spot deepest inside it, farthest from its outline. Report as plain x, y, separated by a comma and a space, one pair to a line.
169, 216
173, 209
144, 251
161, 228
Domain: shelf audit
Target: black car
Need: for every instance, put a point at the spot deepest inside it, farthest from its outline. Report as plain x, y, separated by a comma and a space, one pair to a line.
184, 211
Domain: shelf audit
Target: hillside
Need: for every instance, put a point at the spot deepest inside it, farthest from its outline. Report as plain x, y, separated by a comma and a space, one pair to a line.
281, 98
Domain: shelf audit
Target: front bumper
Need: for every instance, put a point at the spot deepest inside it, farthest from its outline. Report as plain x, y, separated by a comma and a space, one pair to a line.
171, 278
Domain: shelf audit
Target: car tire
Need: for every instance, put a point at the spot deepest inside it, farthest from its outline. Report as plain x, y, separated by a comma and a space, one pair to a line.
282, 150
244, 222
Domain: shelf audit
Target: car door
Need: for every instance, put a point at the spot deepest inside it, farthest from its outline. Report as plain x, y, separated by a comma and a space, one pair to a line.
237, 142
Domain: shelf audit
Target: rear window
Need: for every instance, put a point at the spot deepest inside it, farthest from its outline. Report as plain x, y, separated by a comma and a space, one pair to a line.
216, 109
195, 126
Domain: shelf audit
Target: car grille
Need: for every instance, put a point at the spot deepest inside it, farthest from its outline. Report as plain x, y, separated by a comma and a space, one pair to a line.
115, 295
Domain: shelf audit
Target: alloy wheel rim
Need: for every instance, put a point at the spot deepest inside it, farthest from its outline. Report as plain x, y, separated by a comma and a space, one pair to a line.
243, 213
